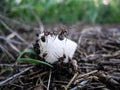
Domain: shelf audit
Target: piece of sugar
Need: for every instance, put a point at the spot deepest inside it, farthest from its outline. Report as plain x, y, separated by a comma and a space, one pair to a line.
55, 48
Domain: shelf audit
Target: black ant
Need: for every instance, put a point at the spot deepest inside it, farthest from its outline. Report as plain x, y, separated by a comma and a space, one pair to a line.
36, 47
44, 55
62, 34
46, 33
61, 59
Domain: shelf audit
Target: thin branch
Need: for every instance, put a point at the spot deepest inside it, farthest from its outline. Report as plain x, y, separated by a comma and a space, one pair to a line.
8, 28
13, 65
15, 22
14, 47
74, 77
2, 83
87, 74
12, 41
49, 80
9, 54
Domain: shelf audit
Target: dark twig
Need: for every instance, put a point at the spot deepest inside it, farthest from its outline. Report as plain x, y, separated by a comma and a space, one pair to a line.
49, 80
12, 41
87, 74
71, 81
11, 31
13, 65
2, 83
9, 54
15, 22
108, 81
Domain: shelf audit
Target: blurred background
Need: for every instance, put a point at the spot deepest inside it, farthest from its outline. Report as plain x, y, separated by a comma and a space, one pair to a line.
62, 11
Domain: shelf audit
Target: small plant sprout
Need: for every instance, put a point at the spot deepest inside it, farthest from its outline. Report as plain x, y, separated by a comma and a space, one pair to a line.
53, 47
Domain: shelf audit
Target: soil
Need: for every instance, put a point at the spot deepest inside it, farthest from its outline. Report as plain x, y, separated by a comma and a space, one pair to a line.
98, 57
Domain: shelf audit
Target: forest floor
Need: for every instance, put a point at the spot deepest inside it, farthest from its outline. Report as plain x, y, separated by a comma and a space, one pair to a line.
98, 56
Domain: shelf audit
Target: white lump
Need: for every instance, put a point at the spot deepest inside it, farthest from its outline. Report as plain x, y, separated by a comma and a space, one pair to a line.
52, 48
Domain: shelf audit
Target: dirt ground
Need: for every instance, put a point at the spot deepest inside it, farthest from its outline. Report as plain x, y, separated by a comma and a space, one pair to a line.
98, 57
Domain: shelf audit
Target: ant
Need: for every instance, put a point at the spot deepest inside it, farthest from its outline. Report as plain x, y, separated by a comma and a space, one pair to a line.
44, 55
46, 33
36, 47
62, 34
61, 59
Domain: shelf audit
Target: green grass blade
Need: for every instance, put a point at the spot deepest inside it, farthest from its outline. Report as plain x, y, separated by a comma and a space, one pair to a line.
34, 61
28, 51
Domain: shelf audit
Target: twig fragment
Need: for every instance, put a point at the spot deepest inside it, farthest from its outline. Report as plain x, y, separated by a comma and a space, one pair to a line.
87, 74
2, 83
74, 77
49, 80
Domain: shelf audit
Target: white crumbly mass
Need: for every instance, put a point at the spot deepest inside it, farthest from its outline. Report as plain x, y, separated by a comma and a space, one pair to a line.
55, 48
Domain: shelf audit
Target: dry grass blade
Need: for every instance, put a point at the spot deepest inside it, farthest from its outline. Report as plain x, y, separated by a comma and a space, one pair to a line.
7, 52
71, 81
14, 47
49, 80
13, 32
9, 29
2, 83
87, 74
15, 22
